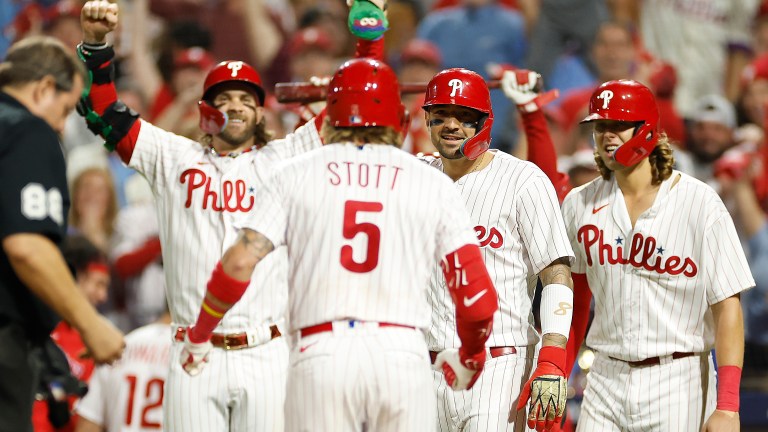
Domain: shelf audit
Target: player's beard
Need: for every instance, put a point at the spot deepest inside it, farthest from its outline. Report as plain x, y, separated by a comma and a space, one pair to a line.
236, 139
449, 154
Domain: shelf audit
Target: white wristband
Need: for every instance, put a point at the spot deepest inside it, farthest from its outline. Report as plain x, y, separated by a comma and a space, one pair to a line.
556, 309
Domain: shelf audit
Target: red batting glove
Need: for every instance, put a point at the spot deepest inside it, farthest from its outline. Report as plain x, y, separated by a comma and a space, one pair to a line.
547, 390
461, 371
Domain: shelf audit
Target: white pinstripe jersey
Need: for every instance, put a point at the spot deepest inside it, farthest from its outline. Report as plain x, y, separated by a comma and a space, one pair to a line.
128, 395
199, 196
653, 284
363, 227
517, 220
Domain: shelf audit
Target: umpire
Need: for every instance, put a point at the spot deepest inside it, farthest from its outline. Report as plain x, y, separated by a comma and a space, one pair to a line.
40, 84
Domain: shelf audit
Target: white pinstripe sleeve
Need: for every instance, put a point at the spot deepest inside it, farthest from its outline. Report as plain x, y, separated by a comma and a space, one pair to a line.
570, 203
157, 153
93, 406
302, 140
270, 217
541, 223
724, 264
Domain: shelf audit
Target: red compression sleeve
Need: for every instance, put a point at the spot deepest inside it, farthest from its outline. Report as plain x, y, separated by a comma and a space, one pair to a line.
223, 292
582, 297
370, 49
728, 382
473, 294
133, 263
541, 150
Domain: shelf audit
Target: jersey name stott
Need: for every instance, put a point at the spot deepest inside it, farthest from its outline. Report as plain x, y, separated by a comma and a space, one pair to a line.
350, 173
233, 192
641, 253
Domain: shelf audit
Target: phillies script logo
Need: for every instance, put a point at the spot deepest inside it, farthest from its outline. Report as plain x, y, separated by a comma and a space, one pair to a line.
489, 237
233, 194
643, 253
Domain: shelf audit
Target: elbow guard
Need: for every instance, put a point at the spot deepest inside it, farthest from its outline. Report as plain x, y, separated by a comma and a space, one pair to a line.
113, 125
469, 284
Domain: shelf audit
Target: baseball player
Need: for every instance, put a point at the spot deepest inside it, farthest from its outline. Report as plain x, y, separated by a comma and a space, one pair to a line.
128, 395
515, 213
660, 254
358, 298
201, 188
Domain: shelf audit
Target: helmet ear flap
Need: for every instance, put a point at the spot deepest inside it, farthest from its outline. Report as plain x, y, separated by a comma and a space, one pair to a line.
638, 147
212, 121
404, 126
473, 147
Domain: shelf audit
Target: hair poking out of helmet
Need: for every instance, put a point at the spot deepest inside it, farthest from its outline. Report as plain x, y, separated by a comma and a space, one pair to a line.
465, 88
365, 93
628, 101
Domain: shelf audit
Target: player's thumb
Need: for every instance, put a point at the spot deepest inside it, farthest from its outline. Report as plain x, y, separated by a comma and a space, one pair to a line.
524, 395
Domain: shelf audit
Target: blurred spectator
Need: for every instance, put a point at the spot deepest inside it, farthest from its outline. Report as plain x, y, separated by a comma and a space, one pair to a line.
137, 256
311, 52
707, 42
404, 16
94, 207
91, 272
565, 27
62, 21
419, 62
742, 174
754, 92
711, 133
475, 36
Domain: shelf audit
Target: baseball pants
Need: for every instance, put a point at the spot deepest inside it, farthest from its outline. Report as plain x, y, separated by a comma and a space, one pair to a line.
366, 378
238, 391
485, 407
675, 395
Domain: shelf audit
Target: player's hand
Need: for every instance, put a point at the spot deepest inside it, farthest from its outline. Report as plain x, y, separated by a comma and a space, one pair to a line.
722, 421
103, 341
547, 390
522, 87
461, 371
97, 19
194, 355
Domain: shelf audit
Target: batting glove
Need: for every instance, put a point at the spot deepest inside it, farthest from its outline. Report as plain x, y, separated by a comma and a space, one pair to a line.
194, 355
547, 390
520, 86
460, 370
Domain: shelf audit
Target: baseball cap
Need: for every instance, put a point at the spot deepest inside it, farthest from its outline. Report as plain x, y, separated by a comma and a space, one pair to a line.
62, 9
195, 57
310, 38
423, 51
714, 108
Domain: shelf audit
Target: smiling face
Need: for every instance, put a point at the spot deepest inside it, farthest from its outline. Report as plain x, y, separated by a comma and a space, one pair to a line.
451, 125
609, 135
241, 104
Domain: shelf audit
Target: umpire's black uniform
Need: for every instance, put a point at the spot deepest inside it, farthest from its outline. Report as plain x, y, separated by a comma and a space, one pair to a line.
33, 199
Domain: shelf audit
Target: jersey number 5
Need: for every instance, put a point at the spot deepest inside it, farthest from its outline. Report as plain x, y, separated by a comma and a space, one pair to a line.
352, 229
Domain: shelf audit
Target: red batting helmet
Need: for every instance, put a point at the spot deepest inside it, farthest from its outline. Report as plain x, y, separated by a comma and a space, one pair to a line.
364, 93
628, 101
228, 71
464, 88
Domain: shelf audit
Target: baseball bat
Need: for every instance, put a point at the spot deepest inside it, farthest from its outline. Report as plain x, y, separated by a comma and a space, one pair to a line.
305, 92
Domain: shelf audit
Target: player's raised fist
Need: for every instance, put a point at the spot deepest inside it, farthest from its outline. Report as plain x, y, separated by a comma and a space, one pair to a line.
97, 19
194, 355
460, 371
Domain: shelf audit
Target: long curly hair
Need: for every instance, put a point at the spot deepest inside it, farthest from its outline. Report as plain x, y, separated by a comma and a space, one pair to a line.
661, 159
